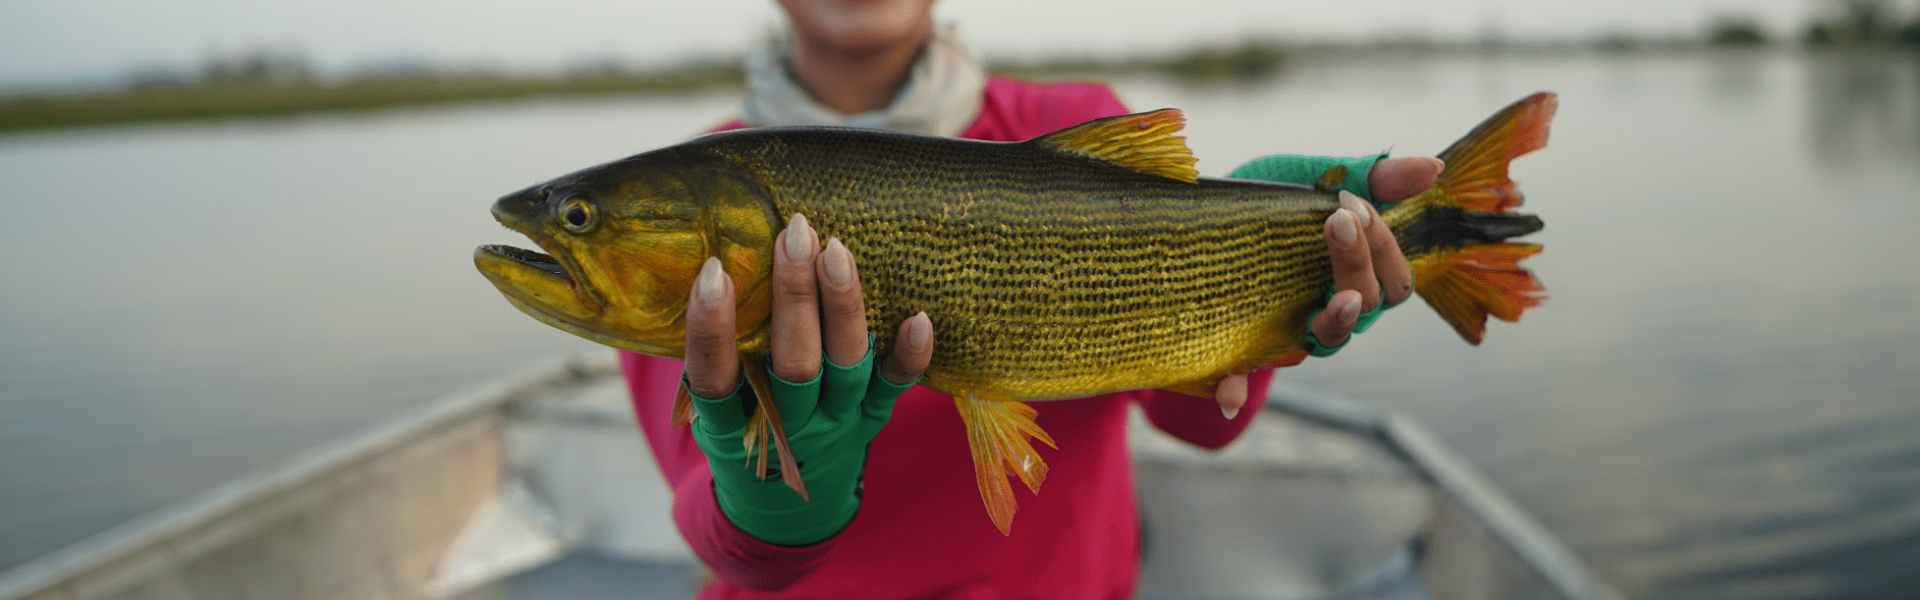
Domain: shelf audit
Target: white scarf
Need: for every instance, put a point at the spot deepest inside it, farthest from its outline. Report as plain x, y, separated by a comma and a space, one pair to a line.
941, 97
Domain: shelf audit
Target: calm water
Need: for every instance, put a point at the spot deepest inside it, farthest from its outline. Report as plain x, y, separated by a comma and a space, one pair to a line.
1720, 399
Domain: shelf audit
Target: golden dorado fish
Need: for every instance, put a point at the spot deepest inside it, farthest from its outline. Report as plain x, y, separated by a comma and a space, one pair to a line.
1086, 261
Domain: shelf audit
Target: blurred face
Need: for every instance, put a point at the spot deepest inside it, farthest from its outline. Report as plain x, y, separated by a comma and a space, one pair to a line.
860, 25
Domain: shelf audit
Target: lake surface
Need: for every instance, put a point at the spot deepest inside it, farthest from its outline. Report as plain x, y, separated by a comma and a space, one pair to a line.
1720, 399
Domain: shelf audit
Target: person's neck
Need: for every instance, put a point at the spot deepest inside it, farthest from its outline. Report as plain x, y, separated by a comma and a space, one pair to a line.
853, 82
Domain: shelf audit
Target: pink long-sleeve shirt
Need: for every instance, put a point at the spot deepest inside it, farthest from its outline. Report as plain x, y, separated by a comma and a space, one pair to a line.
922, 530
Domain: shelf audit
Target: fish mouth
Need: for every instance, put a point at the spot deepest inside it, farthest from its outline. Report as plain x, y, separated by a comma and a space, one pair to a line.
540, 285
538, 261
543, 287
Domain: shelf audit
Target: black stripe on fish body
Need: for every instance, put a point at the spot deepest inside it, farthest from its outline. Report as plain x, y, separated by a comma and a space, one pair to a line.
1052, 267
1440, 228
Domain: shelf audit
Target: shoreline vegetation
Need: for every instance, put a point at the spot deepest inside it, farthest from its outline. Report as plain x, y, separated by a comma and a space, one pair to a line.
269, 85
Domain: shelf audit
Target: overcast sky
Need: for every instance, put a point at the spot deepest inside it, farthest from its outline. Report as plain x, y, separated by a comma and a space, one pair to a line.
54, 42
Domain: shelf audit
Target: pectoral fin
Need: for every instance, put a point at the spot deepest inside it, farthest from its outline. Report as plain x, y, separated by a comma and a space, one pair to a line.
765, 424
683, 414
998, 432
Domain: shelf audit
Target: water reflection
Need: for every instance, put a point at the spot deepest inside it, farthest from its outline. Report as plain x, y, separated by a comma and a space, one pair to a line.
1736, 75
201, 301
1717, 399
1863, 104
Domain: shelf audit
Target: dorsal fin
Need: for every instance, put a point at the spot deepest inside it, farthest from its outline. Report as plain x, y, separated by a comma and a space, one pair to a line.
1144, 142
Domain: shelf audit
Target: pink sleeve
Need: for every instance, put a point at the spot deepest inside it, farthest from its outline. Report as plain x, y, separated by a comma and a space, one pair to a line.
1014, 110
1198, 420
733, 555
1068, 104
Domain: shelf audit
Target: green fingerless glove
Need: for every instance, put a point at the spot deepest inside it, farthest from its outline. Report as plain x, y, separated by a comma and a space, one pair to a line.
830, 420
1360, 325
1306, 170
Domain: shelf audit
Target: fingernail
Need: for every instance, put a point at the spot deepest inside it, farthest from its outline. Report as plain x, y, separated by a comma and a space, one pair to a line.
1344, 228
1359, 207
711, 282
919, 332
1350, 314
799, 239
1229, 413
839, 263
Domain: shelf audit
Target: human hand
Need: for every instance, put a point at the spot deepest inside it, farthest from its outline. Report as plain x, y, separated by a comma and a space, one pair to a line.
830, 414
803, 287
1367, 263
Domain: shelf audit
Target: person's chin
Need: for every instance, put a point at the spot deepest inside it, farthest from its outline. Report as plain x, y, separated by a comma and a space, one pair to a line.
863, 25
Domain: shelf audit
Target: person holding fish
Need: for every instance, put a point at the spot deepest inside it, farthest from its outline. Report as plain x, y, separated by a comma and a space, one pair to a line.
885, 512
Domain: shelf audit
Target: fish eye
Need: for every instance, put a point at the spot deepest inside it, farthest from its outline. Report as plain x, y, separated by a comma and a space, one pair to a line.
577, 214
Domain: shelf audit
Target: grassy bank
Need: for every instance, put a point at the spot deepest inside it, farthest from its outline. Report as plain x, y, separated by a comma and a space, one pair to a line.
263, 98
267, 97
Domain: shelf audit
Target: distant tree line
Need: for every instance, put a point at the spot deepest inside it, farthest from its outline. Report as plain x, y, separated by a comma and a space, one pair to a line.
1847, 23
1864, 22
268, 82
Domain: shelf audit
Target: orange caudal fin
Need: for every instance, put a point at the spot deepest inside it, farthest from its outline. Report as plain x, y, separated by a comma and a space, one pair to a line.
1463, 265
1468, 284
1476, 174
998, 433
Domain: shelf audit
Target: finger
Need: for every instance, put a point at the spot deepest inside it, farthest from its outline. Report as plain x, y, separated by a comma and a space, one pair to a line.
713, 366
1396, 179
1231, 393
1346, 236
843, 312
796, 307
912, 351
1336, 322
1389, 264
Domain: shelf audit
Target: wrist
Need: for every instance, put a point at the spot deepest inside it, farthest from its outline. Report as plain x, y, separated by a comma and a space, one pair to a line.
830, 420
766, 508
771, 512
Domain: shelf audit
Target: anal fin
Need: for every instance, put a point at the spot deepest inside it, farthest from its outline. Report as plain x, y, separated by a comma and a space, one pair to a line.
999, 433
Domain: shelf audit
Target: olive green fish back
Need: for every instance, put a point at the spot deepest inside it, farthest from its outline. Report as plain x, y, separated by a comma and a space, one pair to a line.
1049, 275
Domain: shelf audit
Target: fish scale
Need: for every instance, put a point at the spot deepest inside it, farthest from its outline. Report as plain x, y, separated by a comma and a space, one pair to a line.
1085, 261
1101, 278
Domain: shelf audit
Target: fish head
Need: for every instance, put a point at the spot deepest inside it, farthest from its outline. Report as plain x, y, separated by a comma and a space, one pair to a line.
621, 244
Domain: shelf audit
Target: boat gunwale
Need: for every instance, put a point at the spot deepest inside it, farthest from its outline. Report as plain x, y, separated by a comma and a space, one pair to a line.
159, 529
1461, 482
1457, 479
